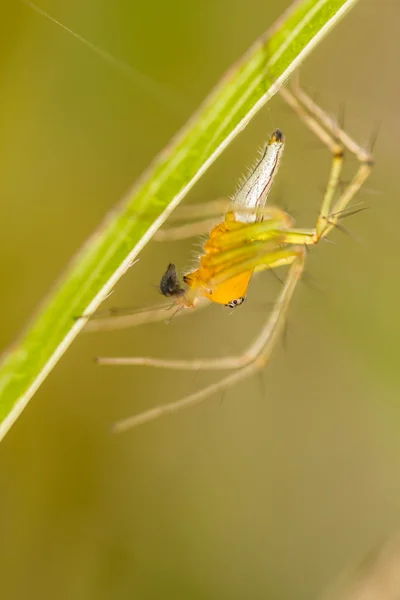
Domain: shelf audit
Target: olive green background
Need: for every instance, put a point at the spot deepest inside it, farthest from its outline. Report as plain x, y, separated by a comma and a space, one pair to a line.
270, 491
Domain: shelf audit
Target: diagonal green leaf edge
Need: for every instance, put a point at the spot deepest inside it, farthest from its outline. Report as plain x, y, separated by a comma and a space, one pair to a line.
245, 88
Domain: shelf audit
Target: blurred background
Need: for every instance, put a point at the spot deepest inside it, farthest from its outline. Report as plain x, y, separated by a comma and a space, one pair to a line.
274, 489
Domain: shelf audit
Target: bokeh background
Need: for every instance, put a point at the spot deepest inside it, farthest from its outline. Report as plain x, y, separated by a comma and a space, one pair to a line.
270, 491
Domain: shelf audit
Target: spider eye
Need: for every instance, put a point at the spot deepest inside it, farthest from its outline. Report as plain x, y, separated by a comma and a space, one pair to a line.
234, 303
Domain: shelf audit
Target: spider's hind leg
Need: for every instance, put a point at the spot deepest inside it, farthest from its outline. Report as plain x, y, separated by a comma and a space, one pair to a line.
331, 134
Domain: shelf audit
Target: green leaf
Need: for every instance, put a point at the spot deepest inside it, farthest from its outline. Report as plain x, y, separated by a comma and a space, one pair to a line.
246, 87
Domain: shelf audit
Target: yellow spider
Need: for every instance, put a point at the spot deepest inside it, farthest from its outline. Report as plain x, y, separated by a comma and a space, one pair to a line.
251, 237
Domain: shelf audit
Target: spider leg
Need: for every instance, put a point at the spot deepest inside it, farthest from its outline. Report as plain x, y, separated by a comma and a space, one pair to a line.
253, 360
336, 139
204, 215
185, 230
141, 317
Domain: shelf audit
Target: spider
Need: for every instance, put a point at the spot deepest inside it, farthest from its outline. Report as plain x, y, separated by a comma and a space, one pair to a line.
251, 237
